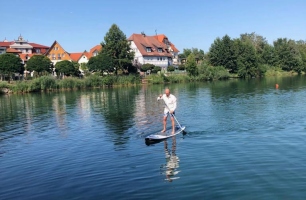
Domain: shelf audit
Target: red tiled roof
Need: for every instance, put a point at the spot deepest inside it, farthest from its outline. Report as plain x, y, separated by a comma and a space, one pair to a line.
75, 56
97, 47
10, 50
23, 56
38, 45
92, 50
5, 44
161, 38
142, 42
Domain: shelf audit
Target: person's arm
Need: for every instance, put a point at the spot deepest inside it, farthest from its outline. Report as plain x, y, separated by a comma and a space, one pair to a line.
160, 97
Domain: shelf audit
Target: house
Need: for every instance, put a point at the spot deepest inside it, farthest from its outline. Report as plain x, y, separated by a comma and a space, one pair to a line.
171, 47
156, 50
2, 50
57, 53
95, 51
24, 49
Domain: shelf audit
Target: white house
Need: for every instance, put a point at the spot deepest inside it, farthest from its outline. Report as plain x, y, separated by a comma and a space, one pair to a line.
148, 49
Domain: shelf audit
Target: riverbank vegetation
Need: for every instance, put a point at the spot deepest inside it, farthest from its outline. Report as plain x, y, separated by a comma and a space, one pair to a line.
248, 56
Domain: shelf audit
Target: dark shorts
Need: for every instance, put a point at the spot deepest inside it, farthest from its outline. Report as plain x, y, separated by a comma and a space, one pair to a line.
168, 114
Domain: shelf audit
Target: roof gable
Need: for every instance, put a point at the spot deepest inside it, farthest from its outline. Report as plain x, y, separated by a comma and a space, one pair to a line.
60, 50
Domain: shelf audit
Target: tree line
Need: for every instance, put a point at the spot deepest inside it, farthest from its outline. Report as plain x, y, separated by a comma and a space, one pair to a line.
250, 55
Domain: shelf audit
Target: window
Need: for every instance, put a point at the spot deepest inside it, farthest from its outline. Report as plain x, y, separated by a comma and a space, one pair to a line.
37, 50
53, 56
63, 55
160, 50
59, 56
148, 49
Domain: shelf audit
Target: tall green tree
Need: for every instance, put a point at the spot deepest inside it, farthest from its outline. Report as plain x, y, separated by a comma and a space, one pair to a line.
117, 47
9, 64
259, 43
288, 55
222, 53
66, 68
247, 63
39, 63
191, 65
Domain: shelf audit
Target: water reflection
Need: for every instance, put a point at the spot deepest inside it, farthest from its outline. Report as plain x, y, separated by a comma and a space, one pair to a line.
170, 169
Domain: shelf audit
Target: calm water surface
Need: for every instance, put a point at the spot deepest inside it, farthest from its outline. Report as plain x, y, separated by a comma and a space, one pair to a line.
245, 140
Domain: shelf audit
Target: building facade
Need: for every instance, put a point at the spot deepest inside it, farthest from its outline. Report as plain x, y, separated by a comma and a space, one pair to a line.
24, 49
156, 50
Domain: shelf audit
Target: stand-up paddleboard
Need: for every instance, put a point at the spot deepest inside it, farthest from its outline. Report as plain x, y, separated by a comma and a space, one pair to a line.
164, 135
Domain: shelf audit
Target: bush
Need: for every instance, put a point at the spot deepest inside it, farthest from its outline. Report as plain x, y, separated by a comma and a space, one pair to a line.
147, 67
170, 68
182, 67
156, 69
93, 80
70, 83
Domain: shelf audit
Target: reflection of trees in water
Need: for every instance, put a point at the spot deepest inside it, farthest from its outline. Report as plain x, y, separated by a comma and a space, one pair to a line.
29, 112
172, 161
117, 105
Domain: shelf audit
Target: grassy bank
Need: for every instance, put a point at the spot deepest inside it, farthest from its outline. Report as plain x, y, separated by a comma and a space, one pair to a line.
49, 83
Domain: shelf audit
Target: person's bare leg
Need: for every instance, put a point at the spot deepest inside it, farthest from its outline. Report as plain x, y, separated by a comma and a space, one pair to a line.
173, 125
165, 124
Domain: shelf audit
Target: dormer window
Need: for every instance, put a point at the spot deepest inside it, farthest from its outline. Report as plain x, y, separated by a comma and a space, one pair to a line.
149, 49
160, 50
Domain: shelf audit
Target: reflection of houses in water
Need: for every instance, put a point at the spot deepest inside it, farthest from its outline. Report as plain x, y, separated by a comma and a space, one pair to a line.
84, 108
172, 161
59, 106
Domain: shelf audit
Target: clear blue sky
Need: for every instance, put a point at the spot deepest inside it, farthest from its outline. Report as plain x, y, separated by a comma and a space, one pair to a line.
79, 25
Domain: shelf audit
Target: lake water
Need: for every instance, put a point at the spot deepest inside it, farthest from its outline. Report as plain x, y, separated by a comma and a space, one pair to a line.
245, 140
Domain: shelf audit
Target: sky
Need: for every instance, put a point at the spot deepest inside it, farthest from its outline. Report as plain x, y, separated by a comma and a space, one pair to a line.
79, 25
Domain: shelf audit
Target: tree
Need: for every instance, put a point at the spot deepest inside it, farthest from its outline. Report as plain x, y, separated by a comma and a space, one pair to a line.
65, 67
198, 53
191, 66
247, 63
39, 63
222, 53
288, 55
101, 63
117, 47
9, 64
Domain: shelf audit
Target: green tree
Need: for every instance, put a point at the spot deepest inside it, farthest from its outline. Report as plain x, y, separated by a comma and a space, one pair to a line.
39, 63
198, 53
170, 68
76, 66
268, 55
117, 47
9, 64
191, 65
101, 63
302, 48
247, 63
288, 55
66, 68
222, 53
259, 43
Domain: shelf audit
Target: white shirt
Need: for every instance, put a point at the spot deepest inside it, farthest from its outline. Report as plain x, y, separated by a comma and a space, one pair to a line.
170, 102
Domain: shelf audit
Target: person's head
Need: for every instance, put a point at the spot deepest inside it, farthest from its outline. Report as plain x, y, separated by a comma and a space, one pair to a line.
167, 92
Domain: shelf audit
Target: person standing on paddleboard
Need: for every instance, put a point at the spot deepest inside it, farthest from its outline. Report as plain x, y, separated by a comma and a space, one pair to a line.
170, 101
